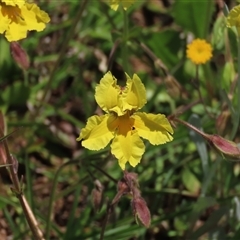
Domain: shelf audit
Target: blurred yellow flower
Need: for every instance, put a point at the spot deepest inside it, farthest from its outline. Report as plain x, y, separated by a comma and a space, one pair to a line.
199, 51
18, 17
114, 4
122, 123
233, 19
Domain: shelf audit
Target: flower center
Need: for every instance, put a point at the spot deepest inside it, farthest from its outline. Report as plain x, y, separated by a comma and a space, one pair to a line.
125, 124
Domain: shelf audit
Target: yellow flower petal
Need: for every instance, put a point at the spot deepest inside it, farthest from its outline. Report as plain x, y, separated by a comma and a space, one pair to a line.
114, 4
107, 94
98, 132
233, 19
134, 94
18, 3
128, 148
16, 31
34, 17
19, 17
155, 128
5, 21
127, 145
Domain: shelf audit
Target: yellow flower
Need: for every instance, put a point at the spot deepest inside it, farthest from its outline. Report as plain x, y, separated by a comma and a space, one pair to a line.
233, 19
199, 51
122, 123
18, 17
114, 4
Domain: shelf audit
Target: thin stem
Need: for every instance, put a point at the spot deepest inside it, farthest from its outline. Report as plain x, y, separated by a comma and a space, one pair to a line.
125, 52
112, 53
61, 54
106, 174
183, 109
32, 222
190, 126
199, 92
103, 227
157, 62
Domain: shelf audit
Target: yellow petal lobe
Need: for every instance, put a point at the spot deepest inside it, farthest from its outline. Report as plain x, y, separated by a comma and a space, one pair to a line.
107, 94
128, 148
127, 145
34, 17
98, 132
153, 127
134, 94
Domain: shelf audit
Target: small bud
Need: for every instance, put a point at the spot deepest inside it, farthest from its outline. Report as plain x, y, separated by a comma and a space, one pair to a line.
97, 195
132, 182
19, 55
141, 211
224, 146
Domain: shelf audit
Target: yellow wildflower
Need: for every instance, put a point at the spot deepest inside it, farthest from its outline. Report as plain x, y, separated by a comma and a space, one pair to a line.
114, 4
233, 19
18, 17
122, 123
199, 51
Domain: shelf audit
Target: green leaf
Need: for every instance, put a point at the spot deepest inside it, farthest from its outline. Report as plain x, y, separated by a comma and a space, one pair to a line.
165, 46
190, 181
218, 36
200, 142
16, 94
194, 16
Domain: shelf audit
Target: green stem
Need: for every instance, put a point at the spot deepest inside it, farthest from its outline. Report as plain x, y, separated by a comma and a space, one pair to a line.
200, 94
125, 52
236, 115
190, 126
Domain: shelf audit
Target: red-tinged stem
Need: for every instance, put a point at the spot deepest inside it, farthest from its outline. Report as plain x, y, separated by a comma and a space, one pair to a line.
32, 222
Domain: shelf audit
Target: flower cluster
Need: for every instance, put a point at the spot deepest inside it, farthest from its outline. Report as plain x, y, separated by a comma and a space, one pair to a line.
18, 17
199, 51
122, 123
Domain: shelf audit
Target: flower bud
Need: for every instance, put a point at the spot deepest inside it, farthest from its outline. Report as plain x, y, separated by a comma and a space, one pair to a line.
141, 211
224, 146
19, 55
